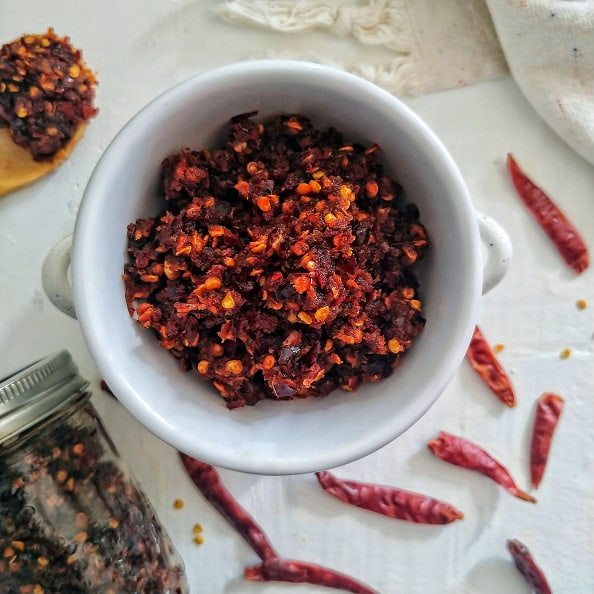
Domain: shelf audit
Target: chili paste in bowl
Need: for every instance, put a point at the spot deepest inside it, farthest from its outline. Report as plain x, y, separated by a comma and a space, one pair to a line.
283, 264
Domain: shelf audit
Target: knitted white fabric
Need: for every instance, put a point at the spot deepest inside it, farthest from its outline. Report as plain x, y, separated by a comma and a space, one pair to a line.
432, 45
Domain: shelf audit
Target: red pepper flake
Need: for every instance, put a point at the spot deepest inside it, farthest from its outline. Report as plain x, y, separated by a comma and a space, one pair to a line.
484, 362
390, 501
528, 567
298, 572
548, 411
565, 353
46, 93
461, 452
280, 265
178, 504
581, 304
561, 232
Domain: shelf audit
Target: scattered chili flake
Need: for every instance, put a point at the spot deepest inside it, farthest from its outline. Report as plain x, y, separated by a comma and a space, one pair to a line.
581, 304
390, 501
528, 567
461, 452
498, 348
484, 362
198, 539
548, 411
46, 93
264, 258
299, 572
560, 230
178, 504
565, 353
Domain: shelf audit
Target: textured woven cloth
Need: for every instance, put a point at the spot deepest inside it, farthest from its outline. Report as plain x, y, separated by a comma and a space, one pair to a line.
422, 46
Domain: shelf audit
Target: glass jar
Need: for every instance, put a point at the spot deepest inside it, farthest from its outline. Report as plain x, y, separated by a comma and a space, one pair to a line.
72, 518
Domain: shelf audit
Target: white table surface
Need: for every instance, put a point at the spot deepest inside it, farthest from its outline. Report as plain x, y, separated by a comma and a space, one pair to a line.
139, 49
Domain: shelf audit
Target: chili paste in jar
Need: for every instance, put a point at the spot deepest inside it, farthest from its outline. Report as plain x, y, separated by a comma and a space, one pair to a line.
282, 266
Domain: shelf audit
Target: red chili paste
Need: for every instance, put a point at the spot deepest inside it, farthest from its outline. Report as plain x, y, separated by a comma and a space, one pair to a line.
282, 265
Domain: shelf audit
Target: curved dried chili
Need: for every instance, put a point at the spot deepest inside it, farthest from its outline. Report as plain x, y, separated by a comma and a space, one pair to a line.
548, 411
298, 572
483, 361
528, 567
272, 568
390, 501
208, 481
556, 225
461, 452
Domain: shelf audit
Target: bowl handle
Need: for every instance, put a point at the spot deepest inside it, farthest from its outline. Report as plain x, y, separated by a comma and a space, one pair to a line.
55, 278
497, 251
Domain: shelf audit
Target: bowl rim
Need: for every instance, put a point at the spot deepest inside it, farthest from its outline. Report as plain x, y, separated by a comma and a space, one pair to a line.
83, 285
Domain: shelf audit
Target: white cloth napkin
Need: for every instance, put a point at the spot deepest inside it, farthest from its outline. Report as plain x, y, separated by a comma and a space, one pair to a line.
429, 45
549, 45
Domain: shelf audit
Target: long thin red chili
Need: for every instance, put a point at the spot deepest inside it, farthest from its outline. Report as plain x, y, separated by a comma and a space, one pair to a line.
272, 568
562, 233
528, 567
298, 572
483, 361
548, 411
390, 501
461, 452
208, 481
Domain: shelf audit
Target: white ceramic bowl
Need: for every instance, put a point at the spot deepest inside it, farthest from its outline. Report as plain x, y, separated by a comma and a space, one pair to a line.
301, 435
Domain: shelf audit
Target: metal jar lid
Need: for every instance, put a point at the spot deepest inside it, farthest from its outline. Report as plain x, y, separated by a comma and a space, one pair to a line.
37, 391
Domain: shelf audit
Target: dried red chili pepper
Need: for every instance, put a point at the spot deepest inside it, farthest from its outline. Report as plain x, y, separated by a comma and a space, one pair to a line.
461, 452
561, 232
527, 567
273, 568
483, 361
298, 572
103, 385
208, 481
390, 501
548, 411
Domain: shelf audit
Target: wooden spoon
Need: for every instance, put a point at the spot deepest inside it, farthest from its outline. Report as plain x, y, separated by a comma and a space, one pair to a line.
17, 167
25, 66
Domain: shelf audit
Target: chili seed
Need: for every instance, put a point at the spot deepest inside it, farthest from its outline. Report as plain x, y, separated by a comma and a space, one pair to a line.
212, 283
303, 189
228, 301
234, 366
394, 346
